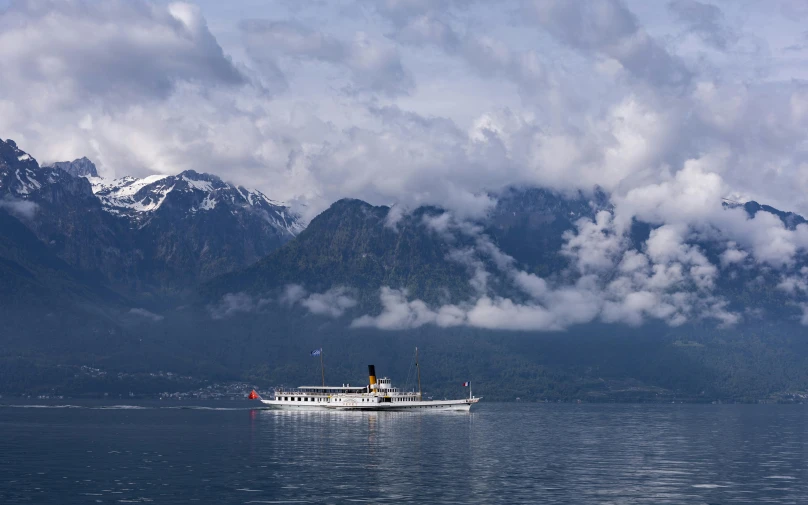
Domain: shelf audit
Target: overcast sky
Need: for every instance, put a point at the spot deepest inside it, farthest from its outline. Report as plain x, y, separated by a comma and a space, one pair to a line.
416, 101
669, 106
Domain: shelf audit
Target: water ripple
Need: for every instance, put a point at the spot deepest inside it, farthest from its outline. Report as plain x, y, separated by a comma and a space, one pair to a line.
506, 453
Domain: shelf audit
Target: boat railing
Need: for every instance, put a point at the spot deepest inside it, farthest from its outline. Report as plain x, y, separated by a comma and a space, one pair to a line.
326, 392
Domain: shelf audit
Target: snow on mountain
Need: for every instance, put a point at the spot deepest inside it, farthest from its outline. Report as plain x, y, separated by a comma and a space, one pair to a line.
120, 196
20, 174
189, 192
140, 199
161, 234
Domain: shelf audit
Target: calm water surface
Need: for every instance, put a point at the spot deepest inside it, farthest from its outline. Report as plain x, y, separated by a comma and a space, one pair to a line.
500, 453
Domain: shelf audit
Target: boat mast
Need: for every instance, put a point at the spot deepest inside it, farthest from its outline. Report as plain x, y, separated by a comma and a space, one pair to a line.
322, 367
418, 369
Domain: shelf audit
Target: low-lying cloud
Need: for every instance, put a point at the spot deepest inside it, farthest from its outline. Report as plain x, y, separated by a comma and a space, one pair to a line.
24, 209
232, 304
608, 280
145, 314
332, 303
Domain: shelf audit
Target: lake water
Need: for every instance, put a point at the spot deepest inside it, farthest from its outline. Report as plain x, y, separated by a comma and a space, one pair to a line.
499, 453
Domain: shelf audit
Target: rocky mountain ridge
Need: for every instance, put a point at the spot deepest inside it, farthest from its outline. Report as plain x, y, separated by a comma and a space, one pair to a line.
147, 237
81, 167
70, 247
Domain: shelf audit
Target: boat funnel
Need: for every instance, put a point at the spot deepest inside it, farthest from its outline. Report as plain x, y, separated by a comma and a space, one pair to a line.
372, 377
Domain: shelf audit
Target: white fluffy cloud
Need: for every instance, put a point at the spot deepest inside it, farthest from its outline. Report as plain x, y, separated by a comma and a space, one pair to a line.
233, 304
373, 65
20, 208
145, 314
411, 102
668, 107
332, 303
61, 56
609, 281
607, 29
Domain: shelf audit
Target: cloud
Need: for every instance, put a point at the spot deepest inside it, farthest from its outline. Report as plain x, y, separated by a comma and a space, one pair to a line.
732, 255
398, 313
396, 213
608, 29
20, 208
373, 66
594, 246
795, 283
233, 304
704, 20
156, 318
430, 24
609, 281
67, 53
332, 303
437, 103
292, 294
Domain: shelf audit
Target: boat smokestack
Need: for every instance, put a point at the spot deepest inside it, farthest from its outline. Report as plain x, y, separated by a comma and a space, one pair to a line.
372, 377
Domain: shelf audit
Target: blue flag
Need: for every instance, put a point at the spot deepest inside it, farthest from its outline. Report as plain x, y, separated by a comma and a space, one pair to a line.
317, 352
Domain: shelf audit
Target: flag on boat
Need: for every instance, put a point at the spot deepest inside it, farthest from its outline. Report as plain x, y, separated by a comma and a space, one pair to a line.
317, 352
253, 395
466, 384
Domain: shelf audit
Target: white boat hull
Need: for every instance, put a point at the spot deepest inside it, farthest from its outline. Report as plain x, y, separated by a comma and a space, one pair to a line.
423, 406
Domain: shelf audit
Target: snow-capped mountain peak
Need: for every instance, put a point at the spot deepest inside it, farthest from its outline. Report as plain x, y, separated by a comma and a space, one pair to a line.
189, 193
21, 176
162, 232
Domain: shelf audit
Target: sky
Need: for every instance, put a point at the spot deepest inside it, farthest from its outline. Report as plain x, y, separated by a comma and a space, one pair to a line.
415, 101
668, 106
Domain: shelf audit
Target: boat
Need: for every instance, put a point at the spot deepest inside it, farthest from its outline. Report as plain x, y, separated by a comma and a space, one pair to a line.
377, 395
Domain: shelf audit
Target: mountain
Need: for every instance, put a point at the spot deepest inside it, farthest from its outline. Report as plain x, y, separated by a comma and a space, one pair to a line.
81, 167
435, 258
149, 238
312, 291
190, 193
88, 265
352, 244
51, 312
356, 244
32, 274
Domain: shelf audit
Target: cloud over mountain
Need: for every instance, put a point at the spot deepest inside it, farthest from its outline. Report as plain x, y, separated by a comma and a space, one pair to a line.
668, 108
